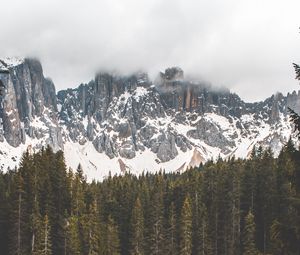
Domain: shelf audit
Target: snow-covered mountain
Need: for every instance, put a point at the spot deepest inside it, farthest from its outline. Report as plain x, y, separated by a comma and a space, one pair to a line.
126, 123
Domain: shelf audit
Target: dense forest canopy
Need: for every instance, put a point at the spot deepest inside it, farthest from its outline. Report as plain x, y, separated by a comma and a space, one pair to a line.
228, 207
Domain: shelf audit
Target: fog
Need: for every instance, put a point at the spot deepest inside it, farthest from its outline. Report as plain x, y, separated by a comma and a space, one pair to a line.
246, 46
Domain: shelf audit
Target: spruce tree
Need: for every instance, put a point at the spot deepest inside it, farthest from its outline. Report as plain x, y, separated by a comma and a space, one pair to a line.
112, 238
73, 243
17, 222
78, 205
295, 117
46, 247
60, 198
297, 71
249, 247
4, 212
93, 230
205, 243
36, 228
186, 228
137, 225
156, 218
277, 243
171, 239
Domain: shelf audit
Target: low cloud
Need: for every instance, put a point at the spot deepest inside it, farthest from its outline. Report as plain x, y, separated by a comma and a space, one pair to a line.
247, 46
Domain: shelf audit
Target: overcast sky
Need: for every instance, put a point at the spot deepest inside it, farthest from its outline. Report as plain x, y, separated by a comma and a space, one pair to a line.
247, 46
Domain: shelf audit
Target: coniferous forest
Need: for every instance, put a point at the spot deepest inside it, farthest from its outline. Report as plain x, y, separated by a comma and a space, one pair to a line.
226, 207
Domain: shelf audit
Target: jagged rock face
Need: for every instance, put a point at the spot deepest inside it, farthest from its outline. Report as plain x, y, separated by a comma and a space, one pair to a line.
182, 95
11, 120
115, 111
212, 135
124, 117
293, 101
171, 75
29, 99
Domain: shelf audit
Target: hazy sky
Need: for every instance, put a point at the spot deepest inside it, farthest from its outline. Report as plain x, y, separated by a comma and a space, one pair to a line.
247, 46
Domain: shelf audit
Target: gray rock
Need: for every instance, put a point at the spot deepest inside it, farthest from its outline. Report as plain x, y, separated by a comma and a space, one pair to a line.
211, 134
28, 94
125, 115
167, 149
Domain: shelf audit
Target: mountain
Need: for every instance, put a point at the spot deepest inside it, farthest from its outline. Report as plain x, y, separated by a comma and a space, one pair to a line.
119, 123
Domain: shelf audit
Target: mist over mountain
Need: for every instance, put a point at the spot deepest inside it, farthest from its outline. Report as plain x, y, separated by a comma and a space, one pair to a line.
118, 123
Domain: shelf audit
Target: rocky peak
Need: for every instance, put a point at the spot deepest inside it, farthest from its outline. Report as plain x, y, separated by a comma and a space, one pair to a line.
293, 101
10, 62
275, 111
172, 74
125, 119
193, 96
28, 96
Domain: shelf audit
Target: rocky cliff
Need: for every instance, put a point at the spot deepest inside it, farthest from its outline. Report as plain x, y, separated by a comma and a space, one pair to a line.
29, 104
118, 123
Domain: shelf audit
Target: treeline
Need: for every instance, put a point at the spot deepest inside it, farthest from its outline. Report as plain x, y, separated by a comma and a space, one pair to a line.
227, 207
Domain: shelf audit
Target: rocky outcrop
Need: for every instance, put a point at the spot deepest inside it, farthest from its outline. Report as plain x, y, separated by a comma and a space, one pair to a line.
190, 96
293, 101
29, 99
211, 134
125, 116
122, 115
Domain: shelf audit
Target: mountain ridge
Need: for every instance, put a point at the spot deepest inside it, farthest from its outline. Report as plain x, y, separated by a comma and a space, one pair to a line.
118, 123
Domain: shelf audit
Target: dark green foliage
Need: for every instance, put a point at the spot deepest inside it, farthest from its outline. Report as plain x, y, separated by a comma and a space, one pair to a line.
112, 244
137, 225
295, 118
249, 235
42, 243
171, 240
229, 207
297, 71
156, 219
186, 227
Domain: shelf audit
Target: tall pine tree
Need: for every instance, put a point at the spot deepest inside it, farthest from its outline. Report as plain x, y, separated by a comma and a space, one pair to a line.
137, 224
186, 228
249, 247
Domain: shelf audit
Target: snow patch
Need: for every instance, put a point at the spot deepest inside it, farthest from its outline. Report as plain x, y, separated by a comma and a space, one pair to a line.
12, 61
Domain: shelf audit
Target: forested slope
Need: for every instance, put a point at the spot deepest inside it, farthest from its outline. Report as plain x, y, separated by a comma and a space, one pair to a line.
228, 207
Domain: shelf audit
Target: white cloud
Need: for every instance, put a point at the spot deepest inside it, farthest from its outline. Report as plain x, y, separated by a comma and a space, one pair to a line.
247, 46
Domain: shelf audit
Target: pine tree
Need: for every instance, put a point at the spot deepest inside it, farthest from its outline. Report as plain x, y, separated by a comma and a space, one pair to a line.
112, 238
264, 208
59, 198
186, 228
137, 224
295, 118
17, 244
297, 71
93, 230
277, 243
29, 198
249, 247
156, 235
4, 210
205, 244
72, 235
171, 240
46, 248
36, 227
210, 199
78, 205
